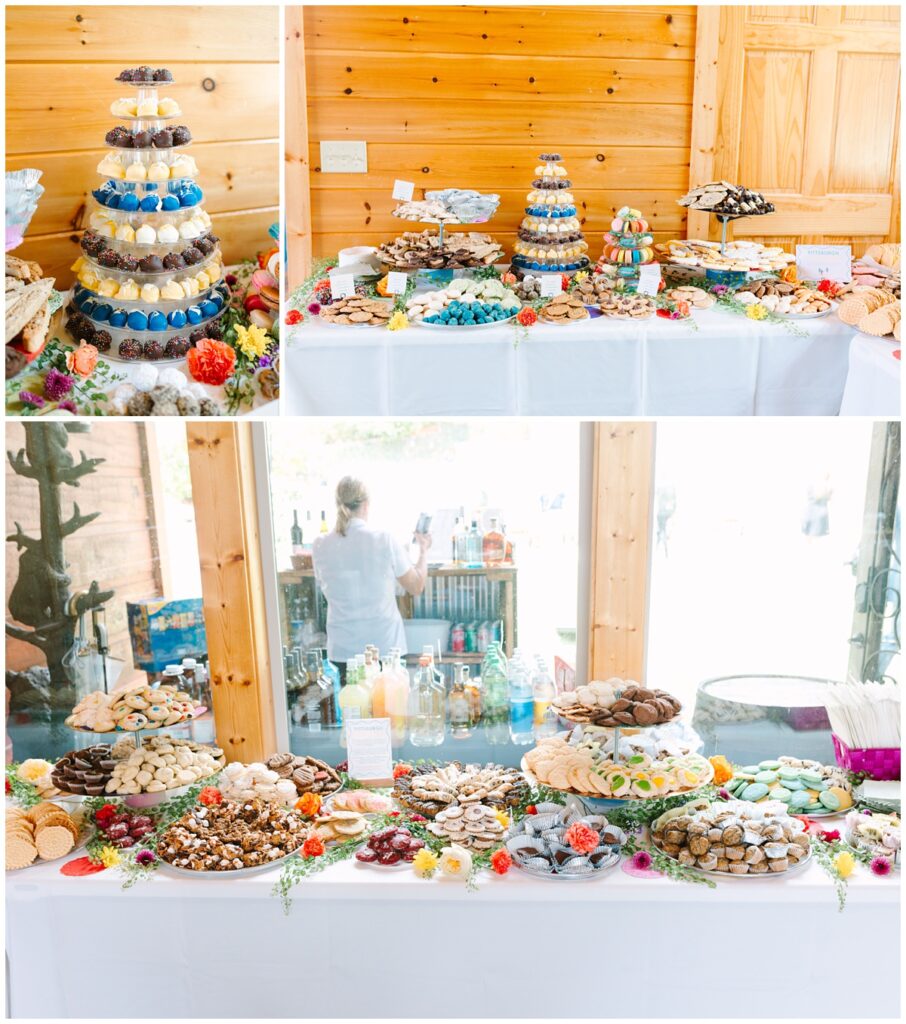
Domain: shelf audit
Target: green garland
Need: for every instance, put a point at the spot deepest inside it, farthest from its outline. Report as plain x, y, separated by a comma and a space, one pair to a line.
826, 851
298, 867
24, 793
666, 865
87, 393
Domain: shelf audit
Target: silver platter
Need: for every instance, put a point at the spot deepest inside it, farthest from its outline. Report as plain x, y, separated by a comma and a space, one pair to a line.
794, 870
258, 869
558, 877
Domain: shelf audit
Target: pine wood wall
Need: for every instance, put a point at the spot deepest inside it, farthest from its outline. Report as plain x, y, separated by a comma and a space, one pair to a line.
802, 102
61, 62
469, 96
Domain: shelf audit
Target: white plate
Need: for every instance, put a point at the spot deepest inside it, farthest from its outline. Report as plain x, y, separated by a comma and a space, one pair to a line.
794, 870
463, 327
235, 873
803, 316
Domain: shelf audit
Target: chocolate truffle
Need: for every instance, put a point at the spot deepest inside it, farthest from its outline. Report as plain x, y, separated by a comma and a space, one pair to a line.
92, 244
162, 139
125, 75
143, 74
174, 261
163, 75
128, 263
153, 350
142, 139
107, 258
205, 245
181, 135
192, 255
151, 264
199, 334
176, 348
102, 341
131, 348
214, 330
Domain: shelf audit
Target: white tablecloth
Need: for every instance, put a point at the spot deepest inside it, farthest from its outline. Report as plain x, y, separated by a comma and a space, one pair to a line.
359, 944
873, 381
600, 367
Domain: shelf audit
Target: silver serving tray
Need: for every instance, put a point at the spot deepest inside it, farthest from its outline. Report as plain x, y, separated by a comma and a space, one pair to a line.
258, 869
556, 876
794, 870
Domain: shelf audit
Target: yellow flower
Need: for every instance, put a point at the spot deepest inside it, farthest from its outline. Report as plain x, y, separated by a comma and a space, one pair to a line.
109, 857
33, 770
581, 275
503, 818
844, 863
756, 311
398, 321
252, 341
424, 863
455, 862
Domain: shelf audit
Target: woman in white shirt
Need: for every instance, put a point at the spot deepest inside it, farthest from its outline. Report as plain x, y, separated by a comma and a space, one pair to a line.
358, 570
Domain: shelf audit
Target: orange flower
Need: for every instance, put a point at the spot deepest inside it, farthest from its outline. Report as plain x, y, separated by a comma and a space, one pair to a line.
312, 847
210, 795
211, 362
723, 770
402, 769
789, 274
501, 861
83, 360
581, 838
309, 804
509, 278
526, 317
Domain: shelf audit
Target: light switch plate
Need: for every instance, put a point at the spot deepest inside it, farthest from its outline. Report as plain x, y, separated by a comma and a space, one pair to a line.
344, 158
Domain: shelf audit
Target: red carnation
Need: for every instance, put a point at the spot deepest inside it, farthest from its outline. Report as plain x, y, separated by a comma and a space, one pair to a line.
501, 861
312, 847
211, 362
401, 769
210, 796
830, 837
531, 809
526, 317
104, 814
294, 316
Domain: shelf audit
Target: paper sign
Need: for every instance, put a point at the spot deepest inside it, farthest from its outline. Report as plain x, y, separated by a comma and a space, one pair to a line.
403, 190
369, 750
551, 284
397, 282
820, 262
649, 279
342, 285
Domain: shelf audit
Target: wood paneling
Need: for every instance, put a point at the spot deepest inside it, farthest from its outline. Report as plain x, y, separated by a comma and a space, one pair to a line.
222, 469
118, 549
61, 65
621, 541
468, 97
297, 169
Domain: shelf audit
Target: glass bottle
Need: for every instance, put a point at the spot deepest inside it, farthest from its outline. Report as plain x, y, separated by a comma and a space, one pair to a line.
355, 700
459, 710
474, 546
543, 692
473, 692
396, 698
379, 690
323, 527
322, 691
428, 652
460, 539
295, 534
495, 697
508, 549
333, 675
202, 685
426, 707
519, 686
308, 531
493, 545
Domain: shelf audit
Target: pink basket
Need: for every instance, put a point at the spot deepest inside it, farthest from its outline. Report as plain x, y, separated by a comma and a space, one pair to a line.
881, 763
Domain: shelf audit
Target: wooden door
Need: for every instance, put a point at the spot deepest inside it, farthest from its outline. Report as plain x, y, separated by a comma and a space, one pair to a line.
804, 106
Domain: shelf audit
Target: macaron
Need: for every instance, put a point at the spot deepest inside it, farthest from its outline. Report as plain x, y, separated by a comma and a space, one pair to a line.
137, 320
829, 800
755, 791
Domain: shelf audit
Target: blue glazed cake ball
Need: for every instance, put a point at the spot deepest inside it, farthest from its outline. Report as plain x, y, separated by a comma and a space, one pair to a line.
177, 318
137, 320
150, 204
170, 203
113, 201
194, 315
102, 312
88, 306
118, 318
208, 308
129, 202
157, 321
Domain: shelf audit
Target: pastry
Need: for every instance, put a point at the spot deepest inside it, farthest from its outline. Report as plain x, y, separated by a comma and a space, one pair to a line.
550, 235
563, 309
241, 782
413, 251
308, 774
357, 311
429, 789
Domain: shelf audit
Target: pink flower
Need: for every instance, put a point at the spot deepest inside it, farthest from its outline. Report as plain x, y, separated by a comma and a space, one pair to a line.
880, 866
641, 860
829, 837
145, 858
314, 308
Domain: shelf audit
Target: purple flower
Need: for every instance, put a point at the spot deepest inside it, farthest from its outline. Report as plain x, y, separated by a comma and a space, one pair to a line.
57, 384
314, 308
724, 794
720, 289
30, 398
68, 405
145, 858
880, 866
232, 280
641, 860
264, 361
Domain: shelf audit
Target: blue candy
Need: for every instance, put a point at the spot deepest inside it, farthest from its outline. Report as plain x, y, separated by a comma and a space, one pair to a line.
99, 194
113, 201
193, 313
217, 299
208, 308
129, 202
151, 188
137, 320
87, 306
170, 202
103, 311
118, 318
177, 318
150, 204
157, 321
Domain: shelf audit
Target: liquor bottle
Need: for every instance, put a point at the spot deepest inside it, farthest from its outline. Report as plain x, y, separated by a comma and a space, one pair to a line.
543, 692
333, 674
459, 710
473, 546
396, 698
519, 685
460, 539
426, 707
493, 545
428, 652
309, 532
508, 549
322, 690
295, 535
323, 527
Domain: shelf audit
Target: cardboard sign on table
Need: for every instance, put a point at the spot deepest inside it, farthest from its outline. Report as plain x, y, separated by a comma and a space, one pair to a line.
551, 284
342, 285
397, 282
403, 190
821, 262
649, 279
369, 751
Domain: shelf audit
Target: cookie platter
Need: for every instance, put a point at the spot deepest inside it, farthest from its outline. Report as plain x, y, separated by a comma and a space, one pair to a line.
562, 844
804, 786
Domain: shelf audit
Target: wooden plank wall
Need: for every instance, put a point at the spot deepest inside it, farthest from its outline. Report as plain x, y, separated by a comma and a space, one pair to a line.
118, 549
469, 96
61, 62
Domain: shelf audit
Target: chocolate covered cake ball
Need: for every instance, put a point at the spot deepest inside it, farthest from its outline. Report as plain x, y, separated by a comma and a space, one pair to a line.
92, 244
143, 74
107, 258
131, 348
205, 245
102, 341
142, 139
151, 264
199, 334
214, 330
126, 75
163, 75
174, 261
153, 350
192, 255
80, 328
176, 348
181, 135
128, 262
162, 139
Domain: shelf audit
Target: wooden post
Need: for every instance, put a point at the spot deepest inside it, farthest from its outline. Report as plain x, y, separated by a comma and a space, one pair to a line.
622, 503
296, 179
704, 113
226, 522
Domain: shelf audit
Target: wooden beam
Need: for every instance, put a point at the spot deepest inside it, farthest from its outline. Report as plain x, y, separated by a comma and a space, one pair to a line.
704, 112
622, 502
296, 183
221, 464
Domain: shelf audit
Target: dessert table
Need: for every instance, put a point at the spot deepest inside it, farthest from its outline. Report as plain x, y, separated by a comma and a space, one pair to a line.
358, 942
873, 381
729, 366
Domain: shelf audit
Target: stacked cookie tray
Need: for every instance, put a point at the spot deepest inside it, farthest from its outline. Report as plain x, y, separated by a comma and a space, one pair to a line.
150, 277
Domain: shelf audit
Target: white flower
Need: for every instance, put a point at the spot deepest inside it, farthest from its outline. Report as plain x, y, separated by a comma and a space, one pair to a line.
455, 862
36, 771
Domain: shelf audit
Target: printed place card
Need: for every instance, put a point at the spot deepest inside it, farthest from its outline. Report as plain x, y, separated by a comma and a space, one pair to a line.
649, 279
403, 190
342, 285
397, 282
551, 284
820, 262
369, 750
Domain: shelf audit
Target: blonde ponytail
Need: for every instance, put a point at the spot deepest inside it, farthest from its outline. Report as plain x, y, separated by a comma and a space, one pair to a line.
351, 495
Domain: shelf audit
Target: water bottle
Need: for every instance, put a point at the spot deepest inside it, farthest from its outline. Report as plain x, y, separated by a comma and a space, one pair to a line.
427, 711
522, 701
494, 697
543, 692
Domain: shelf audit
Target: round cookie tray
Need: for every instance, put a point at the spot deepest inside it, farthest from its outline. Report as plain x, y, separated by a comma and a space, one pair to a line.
794, 870
148, 149
138, 801
258, 869
201, 710
562, 323
556, 876
806, 316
